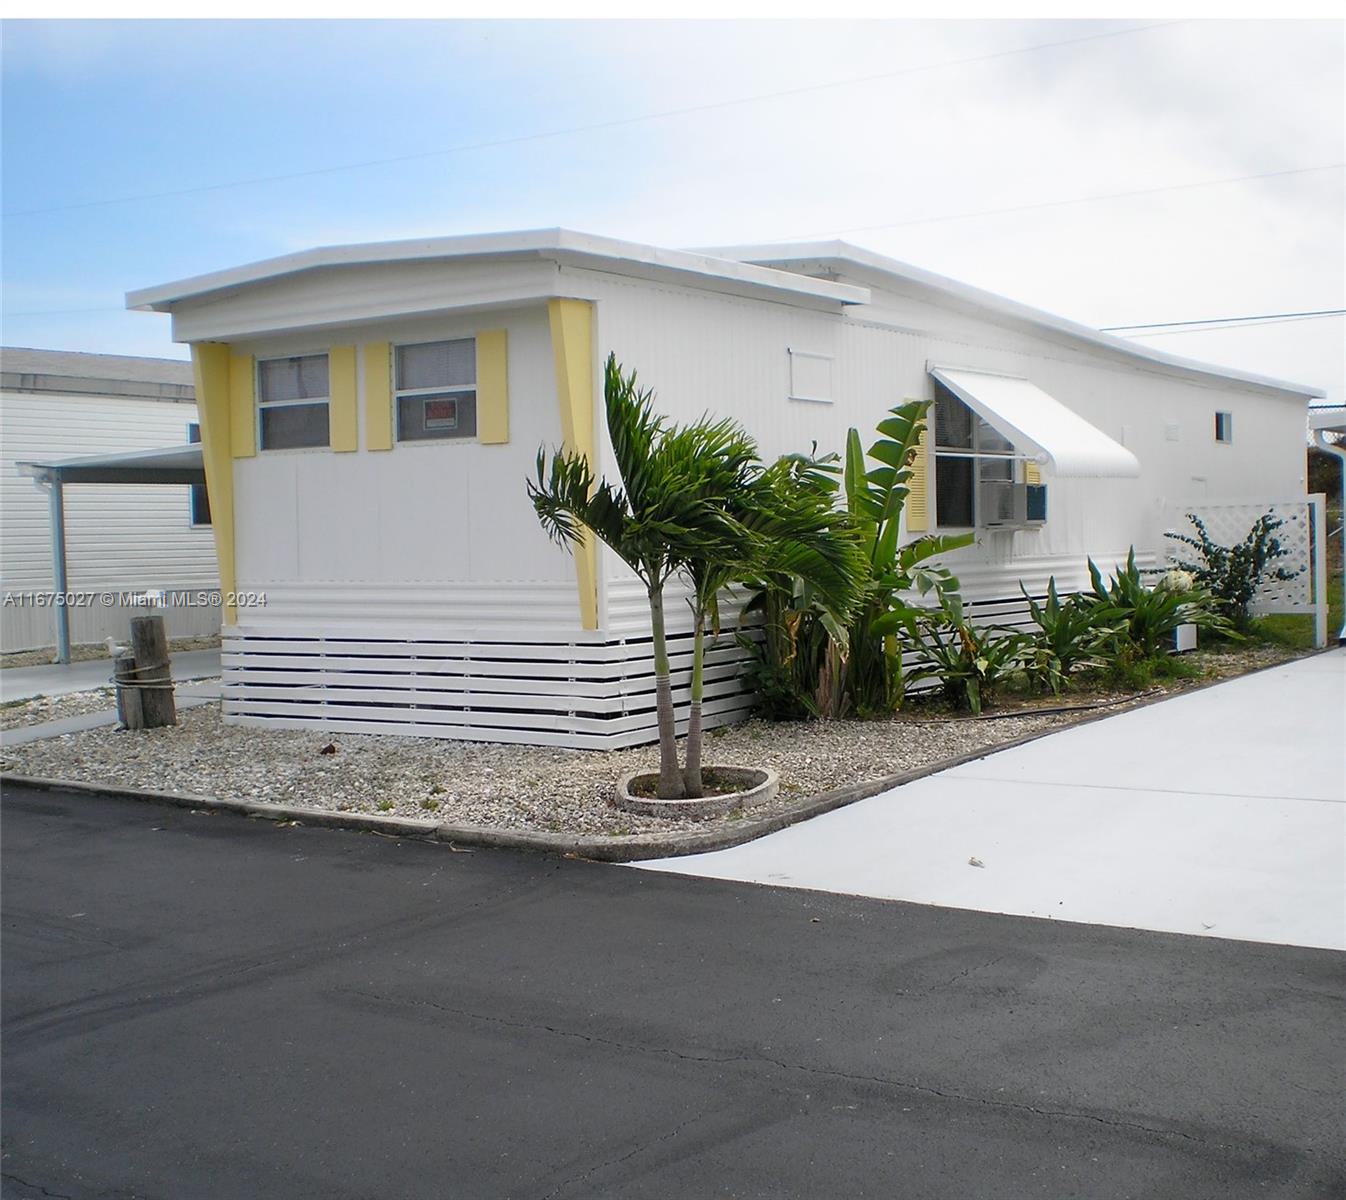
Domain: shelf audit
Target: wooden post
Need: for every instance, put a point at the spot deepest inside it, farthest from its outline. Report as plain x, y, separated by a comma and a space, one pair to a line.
149, 644
129, 712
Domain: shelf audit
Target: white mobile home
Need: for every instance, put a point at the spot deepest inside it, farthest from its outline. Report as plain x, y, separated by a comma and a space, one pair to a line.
370, 414
120, 540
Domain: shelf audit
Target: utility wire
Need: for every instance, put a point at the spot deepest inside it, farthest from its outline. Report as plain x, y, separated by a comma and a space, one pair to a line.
1154, 333
991, 212
1257, 318
592, 128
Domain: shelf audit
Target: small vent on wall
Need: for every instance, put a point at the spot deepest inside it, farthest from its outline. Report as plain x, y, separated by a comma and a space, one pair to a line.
810, 376
1172, 431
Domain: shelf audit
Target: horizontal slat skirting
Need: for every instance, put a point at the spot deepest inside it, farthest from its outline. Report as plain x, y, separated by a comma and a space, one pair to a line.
566, 692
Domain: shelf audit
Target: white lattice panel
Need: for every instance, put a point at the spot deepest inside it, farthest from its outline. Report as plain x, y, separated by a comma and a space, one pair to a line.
1229, 524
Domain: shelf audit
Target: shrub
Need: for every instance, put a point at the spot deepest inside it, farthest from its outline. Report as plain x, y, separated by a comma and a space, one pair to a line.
970, 663
1233, 574
1146, 617
1071, 635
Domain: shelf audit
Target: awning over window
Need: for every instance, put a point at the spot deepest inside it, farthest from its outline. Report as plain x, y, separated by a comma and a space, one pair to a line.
1037, 425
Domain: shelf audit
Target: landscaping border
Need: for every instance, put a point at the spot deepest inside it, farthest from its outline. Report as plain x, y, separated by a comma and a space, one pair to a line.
620, 849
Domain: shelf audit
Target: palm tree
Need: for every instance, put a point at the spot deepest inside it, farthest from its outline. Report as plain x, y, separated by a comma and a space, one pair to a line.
788, 524
668, 510
696, 499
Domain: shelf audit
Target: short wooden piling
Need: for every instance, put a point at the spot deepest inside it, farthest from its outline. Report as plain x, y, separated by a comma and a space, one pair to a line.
129, 712
149, 644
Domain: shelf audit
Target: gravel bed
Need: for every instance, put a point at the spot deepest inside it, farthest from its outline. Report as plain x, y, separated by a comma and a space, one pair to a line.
485, 784
526, 787
56, 708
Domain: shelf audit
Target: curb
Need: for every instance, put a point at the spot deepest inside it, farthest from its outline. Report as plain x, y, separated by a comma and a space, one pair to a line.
629, 848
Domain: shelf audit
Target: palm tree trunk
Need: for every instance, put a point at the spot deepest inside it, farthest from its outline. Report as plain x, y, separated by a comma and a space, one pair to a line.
692, 775
671, 786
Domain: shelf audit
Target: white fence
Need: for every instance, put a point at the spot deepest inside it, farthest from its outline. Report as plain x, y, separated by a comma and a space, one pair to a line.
1302, 534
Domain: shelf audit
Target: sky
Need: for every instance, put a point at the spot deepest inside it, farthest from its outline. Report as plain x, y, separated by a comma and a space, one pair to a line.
138, 152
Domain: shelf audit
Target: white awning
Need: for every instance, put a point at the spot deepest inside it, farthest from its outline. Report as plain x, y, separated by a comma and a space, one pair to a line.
1039, 426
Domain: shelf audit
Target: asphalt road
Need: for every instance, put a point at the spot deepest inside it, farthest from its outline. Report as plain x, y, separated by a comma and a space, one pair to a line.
203, 1006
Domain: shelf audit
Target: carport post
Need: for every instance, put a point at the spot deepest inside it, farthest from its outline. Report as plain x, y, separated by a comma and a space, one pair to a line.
56, 499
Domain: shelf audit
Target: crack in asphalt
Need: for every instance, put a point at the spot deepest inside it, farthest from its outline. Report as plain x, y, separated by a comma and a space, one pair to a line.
767, 1060
648, 1144
37, 1187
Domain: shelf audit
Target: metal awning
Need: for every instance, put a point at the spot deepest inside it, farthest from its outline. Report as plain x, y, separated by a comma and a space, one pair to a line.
1040, 426
171, 465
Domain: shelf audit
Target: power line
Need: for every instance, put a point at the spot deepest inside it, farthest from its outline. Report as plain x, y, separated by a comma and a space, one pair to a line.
592, 128
1153, 333
991, 212
1257, 318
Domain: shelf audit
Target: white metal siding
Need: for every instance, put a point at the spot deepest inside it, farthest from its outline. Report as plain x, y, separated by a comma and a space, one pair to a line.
117, 537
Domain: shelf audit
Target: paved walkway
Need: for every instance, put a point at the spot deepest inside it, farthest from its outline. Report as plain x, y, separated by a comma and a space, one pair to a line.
1220, 812
23, 683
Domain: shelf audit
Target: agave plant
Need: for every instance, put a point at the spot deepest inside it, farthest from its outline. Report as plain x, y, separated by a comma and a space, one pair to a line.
969, 662
1071, 635
1146, 617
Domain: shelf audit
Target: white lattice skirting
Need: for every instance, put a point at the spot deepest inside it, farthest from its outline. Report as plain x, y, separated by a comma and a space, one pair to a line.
594, 694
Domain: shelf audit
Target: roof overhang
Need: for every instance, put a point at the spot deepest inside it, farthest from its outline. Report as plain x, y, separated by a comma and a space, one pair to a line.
1040, 426
170, 465
1329, 418
843, 259
558, 245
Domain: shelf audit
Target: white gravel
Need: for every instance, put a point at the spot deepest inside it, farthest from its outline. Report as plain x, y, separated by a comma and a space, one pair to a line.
485, 784
40, 709
520, 787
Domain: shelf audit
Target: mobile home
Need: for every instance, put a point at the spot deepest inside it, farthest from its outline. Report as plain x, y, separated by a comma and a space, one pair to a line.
370, 414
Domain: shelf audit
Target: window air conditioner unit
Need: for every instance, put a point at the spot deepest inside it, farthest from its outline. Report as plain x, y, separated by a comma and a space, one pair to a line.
1006, 505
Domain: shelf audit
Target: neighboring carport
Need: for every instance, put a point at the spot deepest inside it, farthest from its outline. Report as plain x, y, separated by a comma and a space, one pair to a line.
172, 465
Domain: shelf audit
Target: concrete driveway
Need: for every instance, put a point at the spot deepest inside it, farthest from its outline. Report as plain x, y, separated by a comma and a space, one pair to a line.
1220, 812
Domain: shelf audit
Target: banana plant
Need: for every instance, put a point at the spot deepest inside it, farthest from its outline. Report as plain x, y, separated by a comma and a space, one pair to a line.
875, 498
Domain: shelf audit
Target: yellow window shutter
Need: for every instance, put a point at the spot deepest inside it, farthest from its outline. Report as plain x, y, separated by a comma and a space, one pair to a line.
918, 487
242, 406
492, 387
378, 396
343, 419
1032, 474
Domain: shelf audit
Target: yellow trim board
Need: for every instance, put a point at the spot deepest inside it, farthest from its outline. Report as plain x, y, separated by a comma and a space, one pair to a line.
572, 343
378, 396
493, 387
343, 416
213, 371
242, 388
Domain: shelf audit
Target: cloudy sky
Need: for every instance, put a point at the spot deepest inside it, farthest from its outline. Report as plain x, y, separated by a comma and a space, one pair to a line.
139, 152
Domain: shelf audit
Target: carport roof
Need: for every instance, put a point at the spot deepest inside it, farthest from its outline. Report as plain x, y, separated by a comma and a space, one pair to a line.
169, 465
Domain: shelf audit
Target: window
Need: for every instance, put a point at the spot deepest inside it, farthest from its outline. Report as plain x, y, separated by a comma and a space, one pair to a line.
199, 499
1224, 427
435, 384
292, 396
975, 468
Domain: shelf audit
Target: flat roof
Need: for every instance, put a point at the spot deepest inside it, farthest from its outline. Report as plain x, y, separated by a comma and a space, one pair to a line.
23, 369
564, 245
843, 255
772, 270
